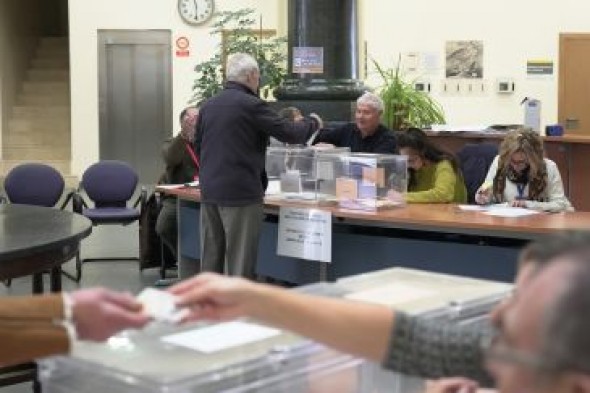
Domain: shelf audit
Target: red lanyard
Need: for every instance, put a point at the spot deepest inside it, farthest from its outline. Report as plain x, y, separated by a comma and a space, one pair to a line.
195, 160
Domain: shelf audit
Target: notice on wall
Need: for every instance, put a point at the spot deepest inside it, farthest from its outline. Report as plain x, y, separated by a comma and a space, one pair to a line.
305, 233
539, 67
182, 47
308, 60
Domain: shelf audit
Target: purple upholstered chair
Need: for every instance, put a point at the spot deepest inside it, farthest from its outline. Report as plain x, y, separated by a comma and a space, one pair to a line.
110, 185
35, 184
475, 160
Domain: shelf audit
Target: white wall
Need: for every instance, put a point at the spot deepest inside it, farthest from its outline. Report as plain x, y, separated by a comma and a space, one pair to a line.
512, 32
86, 17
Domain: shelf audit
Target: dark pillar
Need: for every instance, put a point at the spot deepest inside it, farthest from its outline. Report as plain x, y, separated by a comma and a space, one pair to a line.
323, 57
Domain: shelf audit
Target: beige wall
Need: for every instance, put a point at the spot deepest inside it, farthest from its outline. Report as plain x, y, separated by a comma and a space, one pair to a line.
19, 34
86, 17
512, 32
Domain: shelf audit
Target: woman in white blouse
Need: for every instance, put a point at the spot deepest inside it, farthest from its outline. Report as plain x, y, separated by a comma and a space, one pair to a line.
521, 176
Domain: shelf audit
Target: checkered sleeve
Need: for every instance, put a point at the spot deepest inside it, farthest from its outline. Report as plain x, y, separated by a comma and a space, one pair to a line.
435, 349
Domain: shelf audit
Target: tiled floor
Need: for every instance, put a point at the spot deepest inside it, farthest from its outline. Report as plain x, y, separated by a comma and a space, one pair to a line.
112, 241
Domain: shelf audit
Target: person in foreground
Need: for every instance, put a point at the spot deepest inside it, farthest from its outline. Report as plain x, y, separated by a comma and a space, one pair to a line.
542, 343
434, 175
400, 342
36, 326
522, 177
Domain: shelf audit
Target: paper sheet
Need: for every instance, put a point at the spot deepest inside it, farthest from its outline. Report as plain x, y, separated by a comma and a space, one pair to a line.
506, 211
274, 187
472, 208
222, 336
170, 186
390, 295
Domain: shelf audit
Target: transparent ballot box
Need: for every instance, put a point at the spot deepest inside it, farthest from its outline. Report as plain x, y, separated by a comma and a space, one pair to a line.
303, 173
242, 356
154, 361
371, 181
425, 294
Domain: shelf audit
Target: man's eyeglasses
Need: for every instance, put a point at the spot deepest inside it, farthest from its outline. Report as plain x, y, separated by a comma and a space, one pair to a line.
497, 351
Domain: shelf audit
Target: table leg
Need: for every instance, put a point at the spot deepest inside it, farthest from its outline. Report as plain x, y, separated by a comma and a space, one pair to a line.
55, 279
38, 283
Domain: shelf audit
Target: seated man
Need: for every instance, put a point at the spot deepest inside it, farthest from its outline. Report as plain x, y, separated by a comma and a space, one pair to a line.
366, 134
290, 113
182, 166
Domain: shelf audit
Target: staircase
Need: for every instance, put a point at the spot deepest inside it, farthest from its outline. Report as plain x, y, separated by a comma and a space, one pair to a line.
39, 127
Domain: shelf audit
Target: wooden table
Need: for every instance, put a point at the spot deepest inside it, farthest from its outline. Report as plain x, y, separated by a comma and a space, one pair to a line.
34, 240
437, 237
570, 153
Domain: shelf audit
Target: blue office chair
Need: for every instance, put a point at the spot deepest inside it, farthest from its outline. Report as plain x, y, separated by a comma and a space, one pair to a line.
110, 185
35, 184
475, 160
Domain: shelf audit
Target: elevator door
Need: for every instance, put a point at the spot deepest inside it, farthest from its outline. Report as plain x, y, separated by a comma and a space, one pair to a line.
135, 98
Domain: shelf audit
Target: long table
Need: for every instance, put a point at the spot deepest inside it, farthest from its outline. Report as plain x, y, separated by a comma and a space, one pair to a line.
435, 237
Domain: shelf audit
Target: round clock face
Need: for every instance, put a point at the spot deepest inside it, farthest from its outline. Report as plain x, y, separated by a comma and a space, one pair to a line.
196, 11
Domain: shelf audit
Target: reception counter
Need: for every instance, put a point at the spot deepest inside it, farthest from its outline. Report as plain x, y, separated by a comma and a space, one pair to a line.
570, 153
435, 237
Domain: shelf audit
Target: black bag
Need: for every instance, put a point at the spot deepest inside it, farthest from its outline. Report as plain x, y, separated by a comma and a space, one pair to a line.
150, 246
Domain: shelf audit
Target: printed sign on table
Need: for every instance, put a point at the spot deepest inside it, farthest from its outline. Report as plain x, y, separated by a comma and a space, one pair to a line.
305, 233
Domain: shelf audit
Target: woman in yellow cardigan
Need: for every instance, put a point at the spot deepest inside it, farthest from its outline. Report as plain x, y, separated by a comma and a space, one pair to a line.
434, 175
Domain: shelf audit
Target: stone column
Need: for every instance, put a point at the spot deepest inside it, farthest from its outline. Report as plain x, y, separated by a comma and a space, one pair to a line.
323, 56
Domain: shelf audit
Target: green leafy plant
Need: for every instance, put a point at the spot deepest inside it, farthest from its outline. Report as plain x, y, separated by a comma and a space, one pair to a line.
237, 34
404, 106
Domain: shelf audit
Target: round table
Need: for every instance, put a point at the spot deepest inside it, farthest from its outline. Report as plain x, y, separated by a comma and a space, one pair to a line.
36, 239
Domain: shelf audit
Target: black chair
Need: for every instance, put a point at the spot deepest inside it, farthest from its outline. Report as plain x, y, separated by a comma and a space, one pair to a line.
35, 184
110, 185
475, 160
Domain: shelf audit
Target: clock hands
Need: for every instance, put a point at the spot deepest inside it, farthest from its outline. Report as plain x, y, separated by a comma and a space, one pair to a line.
196, 10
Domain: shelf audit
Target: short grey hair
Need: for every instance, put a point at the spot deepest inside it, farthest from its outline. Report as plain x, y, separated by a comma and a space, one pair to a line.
239, 66
372, 100
565, 339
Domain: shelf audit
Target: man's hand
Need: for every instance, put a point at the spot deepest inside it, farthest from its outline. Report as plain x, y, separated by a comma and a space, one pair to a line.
323, 145
451, 385
214, 297
396, 196
100, 313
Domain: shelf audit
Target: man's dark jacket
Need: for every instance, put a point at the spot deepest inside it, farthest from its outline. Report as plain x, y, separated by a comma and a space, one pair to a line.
231, 138
348, 135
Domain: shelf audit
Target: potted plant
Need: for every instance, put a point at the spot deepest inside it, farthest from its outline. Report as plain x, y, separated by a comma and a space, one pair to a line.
237, 35
404, 106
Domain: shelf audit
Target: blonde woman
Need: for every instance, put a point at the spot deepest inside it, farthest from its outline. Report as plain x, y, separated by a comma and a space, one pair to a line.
522, 177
